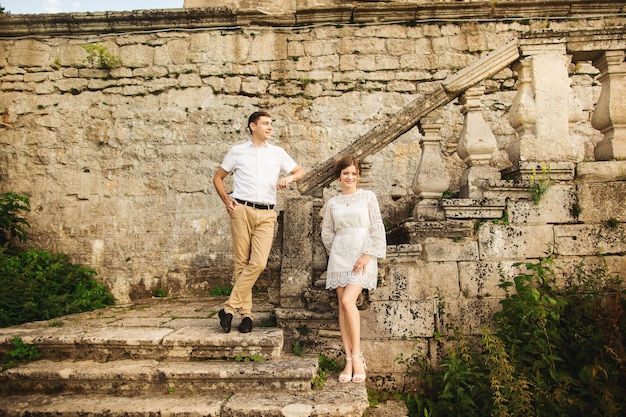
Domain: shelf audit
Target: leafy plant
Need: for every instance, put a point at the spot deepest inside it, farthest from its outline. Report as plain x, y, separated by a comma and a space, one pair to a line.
12, 225
576, 210
325, 367
376, 397
303, 330
38, 285
297, 349
510, 391
463, 380
449, 194
99, 57
21, 353
252, 358
612, 223
220, 291
540, 185
553, 351
504, 219
159, 292
319, 380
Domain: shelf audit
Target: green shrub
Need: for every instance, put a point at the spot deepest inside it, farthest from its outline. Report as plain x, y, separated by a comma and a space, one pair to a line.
553, 351
36, 284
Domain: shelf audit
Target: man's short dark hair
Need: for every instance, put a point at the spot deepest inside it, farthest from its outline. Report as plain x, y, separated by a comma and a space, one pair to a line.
256, 116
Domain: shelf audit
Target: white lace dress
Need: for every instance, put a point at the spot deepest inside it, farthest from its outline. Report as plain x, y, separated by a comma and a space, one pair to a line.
353, 226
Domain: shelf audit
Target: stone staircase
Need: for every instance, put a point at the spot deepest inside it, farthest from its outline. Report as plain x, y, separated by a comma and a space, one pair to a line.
166, 358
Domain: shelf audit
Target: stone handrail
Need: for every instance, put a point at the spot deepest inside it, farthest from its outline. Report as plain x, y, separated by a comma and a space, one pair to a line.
392, 128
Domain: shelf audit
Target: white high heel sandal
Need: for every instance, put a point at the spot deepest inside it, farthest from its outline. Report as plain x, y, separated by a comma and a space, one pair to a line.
343, 378
359, 378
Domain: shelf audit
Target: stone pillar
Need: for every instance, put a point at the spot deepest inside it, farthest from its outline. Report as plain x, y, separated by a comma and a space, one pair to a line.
432, 178
476, 145
609, 116
543, 108
296, 274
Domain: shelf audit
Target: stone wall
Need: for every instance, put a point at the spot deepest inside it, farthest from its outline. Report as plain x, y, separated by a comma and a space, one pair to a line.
118, 162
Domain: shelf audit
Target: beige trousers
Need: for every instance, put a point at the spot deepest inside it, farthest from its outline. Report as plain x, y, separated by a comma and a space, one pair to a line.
253, 234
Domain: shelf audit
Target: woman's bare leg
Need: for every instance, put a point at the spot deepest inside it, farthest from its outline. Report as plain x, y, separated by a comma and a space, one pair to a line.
350, 325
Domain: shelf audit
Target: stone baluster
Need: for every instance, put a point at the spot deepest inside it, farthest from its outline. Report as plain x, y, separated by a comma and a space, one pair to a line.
609, 116
476, 145
543, 108
431, 179
523, 112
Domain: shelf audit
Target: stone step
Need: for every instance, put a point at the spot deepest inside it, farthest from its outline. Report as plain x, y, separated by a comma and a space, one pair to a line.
166, 357
139, 377
201, 340
333, 400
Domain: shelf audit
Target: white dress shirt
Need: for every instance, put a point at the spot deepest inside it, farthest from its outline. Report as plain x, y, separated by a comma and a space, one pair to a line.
256, 170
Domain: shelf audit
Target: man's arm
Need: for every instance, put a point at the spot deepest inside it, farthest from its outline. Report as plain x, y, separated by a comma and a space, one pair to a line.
218, 182
293, 176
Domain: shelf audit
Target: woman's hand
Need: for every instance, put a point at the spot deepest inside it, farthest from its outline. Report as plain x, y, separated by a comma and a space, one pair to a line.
361, 264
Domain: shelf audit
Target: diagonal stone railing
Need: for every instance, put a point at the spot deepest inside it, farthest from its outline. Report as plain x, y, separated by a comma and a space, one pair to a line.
298, 223
392, 128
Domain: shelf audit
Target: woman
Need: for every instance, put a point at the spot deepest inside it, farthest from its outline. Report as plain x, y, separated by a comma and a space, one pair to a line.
354, 235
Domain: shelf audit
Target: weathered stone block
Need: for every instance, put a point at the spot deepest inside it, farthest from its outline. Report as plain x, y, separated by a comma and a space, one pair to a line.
253, 86
588, 240
430, 279
178, 51
555, 206
600, 202
72, 84
474, 178
446, 249
602, 268
416, 232
319, 47
35, 77
502, 242
136, 55
269, 46
473, 208
482, 279
189, 80
601, 171
468, 315
29, 53
398, 320
151, 72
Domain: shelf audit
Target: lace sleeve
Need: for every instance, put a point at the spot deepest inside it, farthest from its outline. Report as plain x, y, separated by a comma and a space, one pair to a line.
328, 228
376, 243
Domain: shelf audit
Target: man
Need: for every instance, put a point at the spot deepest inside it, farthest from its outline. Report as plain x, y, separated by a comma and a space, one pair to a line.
256, 166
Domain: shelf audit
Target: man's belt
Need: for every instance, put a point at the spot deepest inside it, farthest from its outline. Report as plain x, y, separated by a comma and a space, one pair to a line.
255, 205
